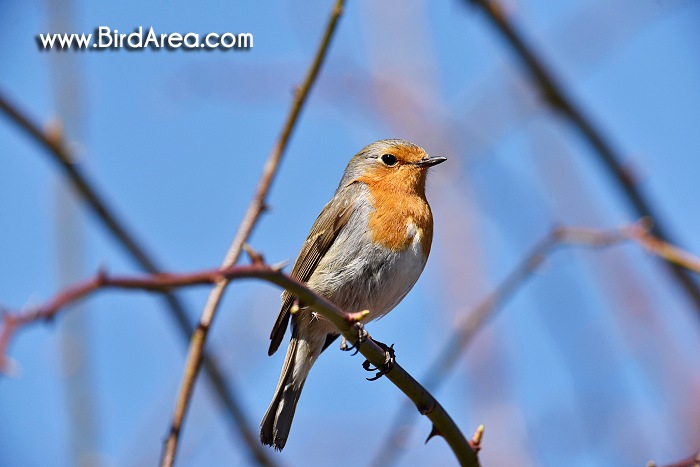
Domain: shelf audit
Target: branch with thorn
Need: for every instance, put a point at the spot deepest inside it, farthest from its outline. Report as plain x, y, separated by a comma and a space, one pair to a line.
346, 323
638, 232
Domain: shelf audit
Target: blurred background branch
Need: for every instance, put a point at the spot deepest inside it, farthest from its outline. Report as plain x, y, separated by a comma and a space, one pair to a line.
554, 93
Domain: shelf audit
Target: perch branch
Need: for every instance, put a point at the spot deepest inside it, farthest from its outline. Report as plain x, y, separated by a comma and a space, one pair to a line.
464, 450
164, 283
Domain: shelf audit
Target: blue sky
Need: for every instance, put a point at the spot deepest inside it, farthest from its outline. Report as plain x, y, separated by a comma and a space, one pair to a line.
593, 362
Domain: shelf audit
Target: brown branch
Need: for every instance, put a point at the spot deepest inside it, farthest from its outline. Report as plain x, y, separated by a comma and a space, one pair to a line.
638, 232
555, 95
52, 140
256, 207
163, 283
464, 450
422, 399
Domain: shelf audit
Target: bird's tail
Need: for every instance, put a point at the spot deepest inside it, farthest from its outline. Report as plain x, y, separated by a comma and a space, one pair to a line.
275, 425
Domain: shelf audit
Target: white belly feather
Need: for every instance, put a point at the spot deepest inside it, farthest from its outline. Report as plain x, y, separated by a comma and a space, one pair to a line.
360, 276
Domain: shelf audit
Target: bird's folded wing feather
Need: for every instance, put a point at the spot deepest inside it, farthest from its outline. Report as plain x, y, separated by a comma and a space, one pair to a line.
325, 230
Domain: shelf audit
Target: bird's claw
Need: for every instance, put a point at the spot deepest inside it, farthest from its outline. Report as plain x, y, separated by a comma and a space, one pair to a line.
361, 337
389, 361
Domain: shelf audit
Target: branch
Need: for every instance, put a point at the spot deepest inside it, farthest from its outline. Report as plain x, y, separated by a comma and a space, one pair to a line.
555, 95
53, 141
638, 232
256, 207
164, 283
426, 404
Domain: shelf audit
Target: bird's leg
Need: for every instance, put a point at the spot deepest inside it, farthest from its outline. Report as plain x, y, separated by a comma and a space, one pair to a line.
389, 361
361, 337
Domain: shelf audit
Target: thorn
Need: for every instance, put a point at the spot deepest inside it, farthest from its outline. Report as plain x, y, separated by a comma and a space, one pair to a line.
476, 439
433, 432
255, 257
277, 267
265, 208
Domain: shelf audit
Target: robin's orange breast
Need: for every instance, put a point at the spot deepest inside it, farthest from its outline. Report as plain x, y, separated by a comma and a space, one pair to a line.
400, 216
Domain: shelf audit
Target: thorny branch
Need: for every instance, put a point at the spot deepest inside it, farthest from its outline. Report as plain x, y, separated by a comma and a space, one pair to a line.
256, 207
443, 425
638, 232
164, 283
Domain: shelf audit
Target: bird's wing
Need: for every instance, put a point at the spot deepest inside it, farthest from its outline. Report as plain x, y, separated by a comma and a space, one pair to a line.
325, 230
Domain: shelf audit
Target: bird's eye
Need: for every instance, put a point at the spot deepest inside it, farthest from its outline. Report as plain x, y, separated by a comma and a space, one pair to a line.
389, 159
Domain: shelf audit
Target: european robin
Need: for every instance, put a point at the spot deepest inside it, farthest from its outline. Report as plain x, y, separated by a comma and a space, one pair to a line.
365, 251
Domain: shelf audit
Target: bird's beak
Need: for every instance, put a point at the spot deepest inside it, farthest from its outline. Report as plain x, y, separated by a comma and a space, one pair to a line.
430, 161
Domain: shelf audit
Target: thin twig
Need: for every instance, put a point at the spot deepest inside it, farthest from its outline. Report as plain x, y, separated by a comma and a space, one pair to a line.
638, 232
256, 207
443, 425
53, 141
555, 95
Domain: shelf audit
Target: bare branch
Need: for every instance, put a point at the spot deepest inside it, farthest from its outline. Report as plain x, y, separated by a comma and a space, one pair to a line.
427, 405
256, 207
555, 95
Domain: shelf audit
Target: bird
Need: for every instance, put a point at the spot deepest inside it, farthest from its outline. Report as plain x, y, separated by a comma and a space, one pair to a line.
365, 251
